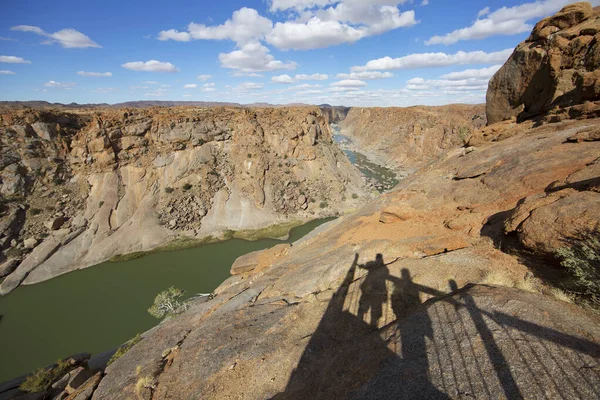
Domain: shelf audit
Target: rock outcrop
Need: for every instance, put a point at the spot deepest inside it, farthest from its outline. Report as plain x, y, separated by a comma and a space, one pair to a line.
328, 318
555, 73
93, 184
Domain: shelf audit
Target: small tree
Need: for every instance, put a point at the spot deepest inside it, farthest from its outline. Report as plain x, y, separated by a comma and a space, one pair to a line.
168, 302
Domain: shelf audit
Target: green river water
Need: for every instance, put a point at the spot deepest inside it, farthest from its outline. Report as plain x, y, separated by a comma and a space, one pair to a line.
96, 309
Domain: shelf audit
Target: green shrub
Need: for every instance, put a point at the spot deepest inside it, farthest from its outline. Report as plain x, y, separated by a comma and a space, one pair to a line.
323, 204
354, 196
463, 133
581, 257
124, 349
168, 302
35, 211
42, 379
249, 155
169, 190
100, 204
187, 186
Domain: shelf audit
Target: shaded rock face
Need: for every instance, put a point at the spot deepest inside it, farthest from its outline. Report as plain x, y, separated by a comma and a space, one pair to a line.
93, 184
554, 71
408, 138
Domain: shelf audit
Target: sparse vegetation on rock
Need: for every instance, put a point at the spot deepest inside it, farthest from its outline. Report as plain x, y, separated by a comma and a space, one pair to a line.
124, 348
581, 257
42, 379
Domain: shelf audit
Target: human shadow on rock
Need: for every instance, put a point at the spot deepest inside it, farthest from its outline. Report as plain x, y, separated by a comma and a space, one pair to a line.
448, 347
345, 352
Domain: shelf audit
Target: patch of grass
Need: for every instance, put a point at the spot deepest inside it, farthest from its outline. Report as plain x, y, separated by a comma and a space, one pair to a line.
177, 244
42, 379
561, 295
124, 349
35, 211
100, 204
129, 256
271, 232
463, 133
324, 204
498, 278
529, 284
145, 382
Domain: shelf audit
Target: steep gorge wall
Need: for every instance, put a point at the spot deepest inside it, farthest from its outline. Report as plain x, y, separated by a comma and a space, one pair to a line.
408, 138
85, 186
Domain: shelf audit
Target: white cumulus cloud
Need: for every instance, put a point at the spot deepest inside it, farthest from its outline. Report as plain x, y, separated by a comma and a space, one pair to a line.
190, 86
5, 72
60, 85
94, 74
447, 84
248, 86
286, 79
67, 38
204, 78
503, 21
252, 58
366, 75
246, 25
13, 60
349, 83
483, 73
435, 60
150, 66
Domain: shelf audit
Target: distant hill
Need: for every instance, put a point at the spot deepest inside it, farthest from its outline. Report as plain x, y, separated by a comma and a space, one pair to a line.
38, 104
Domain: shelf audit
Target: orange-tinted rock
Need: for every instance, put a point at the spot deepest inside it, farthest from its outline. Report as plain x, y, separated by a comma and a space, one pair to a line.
555, 67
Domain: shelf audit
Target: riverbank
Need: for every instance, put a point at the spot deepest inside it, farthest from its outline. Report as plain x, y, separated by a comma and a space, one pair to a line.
99, 308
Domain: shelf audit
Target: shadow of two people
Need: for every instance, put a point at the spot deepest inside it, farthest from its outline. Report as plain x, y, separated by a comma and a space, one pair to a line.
374, 290
345, 350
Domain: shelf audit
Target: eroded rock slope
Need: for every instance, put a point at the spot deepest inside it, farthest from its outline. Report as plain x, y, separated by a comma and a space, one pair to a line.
81, 187
408, 138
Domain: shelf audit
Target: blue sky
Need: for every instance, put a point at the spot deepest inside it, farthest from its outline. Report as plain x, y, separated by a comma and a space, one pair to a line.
348, 52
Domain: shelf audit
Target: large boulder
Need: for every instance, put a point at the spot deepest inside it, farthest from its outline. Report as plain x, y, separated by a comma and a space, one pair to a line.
557, 66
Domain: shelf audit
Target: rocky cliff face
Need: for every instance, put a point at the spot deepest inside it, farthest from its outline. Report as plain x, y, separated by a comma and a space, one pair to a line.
79, 188
555, 71
408, 138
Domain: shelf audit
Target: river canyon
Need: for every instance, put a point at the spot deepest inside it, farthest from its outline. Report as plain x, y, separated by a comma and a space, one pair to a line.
345, 252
